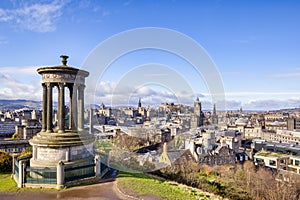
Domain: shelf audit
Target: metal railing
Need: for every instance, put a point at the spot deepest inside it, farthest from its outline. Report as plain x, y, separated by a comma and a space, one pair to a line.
16, 172
79, 172
41, 175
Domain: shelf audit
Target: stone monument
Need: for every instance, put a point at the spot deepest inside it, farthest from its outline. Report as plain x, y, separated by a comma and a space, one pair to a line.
67, 145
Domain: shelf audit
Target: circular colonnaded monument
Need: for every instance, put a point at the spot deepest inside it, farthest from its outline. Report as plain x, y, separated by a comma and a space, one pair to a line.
66, 143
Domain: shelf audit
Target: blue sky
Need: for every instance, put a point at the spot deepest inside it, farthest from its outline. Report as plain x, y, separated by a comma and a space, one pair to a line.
255, 45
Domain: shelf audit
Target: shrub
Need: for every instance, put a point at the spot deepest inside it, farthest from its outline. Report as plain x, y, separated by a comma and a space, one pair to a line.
24, 154
5, 162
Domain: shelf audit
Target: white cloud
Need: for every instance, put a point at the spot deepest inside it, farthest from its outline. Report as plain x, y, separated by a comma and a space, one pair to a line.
12, 89
272, 104
20, 83
27, 70
127, 3
264, 100
287, 75
128, 96
124, 95
251, 94
36, 17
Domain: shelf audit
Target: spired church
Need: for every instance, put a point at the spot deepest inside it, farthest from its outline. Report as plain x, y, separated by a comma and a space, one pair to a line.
62, 153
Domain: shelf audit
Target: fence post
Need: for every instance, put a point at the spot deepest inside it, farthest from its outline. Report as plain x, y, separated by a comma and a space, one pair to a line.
21, 174
97, 166
14, 162
60, 175
108, 155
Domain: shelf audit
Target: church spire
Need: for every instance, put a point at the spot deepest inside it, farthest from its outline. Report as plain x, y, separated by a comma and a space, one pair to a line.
214, 111
214, 117
139, 104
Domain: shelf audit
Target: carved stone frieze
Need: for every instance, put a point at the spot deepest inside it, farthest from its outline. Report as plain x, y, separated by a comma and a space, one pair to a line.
62, 78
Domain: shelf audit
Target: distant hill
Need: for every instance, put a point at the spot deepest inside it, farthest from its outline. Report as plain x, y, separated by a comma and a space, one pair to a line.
19, 104
289, 110
6, 104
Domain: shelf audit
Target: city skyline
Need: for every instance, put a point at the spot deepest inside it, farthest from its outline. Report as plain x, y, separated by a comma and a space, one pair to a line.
253, 44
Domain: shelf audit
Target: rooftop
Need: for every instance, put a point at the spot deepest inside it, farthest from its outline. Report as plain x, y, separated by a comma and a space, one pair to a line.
271, 154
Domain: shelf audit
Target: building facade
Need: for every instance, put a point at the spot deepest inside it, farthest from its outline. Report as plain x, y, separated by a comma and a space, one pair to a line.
197, 117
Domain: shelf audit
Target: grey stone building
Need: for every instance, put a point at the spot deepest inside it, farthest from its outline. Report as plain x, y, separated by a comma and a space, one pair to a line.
220, 156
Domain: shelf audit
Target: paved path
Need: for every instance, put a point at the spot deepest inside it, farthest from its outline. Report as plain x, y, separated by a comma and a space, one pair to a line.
102, 191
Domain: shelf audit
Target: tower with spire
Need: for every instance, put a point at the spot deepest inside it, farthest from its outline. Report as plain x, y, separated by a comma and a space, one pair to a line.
214, 117
139, 103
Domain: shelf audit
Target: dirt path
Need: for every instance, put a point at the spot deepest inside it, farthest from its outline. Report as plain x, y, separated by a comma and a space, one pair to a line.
98, 191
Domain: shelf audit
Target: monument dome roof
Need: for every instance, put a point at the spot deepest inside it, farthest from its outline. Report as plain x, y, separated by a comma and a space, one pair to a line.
62, 68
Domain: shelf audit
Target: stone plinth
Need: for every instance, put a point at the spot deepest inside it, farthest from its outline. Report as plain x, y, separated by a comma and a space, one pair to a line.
69, 147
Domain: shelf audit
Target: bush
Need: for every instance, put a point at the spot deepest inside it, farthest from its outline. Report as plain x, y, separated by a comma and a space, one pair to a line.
5, 162
15, 136
25, 154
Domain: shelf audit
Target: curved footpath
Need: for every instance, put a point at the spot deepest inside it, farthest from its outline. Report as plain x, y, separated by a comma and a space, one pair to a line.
105, 190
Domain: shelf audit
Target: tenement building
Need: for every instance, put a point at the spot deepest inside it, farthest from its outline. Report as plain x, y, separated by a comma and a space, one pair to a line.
293, 124
286, 136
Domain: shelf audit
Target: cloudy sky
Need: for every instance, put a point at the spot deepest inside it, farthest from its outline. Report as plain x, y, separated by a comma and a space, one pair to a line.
254, 46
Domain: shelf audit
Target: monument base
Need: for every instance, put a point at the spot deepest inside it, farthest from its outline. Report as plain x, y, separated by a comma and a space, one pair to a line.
50, 148
59, 158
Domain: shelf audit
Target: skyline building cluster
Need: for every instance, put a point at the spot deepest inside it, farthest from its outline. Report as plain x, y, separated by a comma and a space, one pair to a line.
62, 137
212, 103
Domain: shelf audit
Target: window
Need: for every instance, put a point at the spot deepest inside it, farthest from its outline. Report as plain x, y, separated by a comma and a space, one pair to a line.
292, 169
297, 162
272, 163
291, 162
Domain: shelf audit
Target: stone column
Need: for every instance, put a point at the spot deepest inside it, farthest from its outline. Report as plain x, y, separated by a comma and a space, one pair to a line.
73, 108
14, 159
91, 121
34, 152
81, 107
49, 108
44, 108
60, 176
61, 106
70, 107
97, 166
